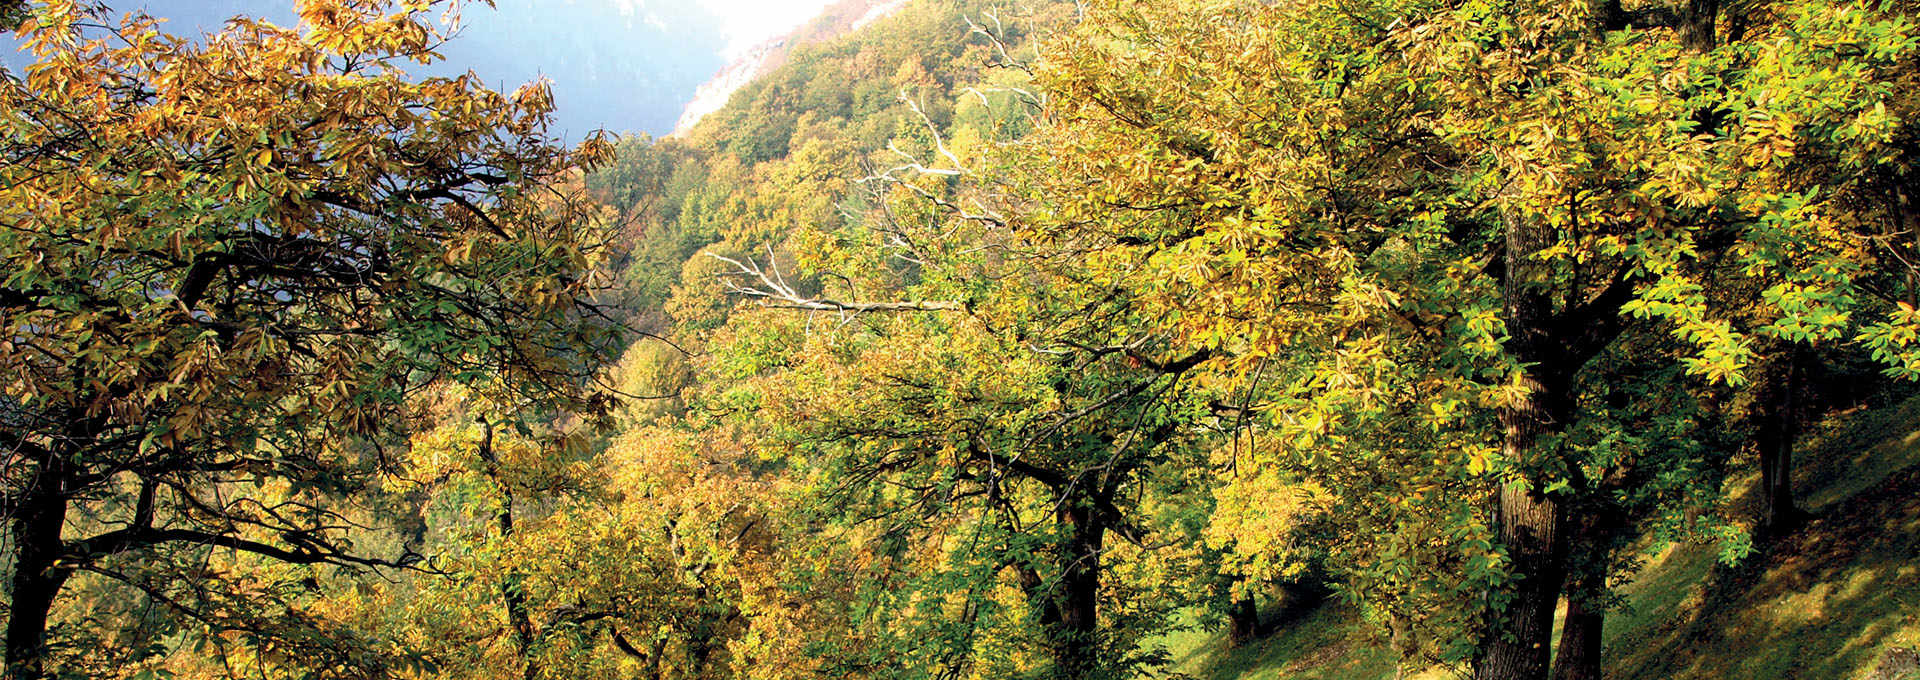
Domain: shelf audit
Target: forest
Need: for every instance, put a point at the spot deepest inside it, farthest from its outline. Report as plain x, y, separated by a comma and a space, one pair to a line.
999, 339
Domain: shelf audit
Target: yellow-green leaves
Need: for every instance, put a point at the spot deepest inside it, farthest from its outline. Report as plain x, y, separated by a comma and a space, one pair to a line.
234, 264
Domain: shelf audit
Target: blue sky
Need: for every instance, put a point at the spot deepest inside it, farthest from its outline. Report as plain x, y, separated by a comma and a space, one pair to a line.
622, 65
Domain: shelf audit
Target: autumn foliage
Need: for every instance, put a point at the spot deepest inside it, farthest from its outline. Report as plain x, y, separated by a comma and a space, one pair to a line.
986, 342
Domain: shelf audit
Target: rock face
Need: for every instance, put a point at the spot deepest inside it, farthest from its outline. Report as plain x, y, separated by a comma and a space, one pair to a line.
714, 93
838, 19
878, 12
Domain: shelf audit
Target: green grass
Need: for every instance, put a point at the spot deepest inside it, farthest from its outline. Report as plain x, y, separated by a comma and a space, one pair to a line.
1824, 603
1327, 643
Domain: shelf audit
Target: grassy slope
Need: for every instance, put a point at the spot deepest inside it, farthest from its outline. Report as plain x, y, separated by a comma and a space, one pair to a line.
1329, 643
1823, 603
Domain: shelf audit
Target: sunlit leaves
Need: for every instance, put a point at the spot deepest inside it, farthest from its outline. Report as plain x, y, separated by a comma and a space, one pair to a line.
234, 265
1329, 192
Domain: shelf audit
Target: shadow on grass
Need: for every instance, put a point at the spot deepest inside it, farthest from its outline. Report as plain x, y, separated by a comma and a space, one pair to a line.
1824, 601
1327, 642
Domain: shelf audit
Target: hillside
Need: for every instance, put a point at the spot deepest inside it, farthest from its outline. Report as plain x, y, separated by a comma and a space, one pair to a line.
795, 201
972, 340
836, 20
1837, 599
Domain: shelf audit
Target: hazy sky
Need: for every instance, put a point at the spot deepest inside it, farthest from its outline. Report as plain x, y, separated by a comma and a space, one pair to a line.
744, 23
622, 65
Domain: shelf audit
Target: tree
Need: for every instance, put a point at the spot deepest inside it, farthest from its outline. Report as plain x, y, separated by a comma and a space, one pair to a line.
998, 450
232, 264
555, 561
998, 420
1434, 223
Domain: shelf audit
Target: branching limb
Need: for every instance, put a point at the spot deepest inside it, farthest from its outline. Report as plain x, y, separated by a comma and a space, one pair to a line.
773, 290
308, 552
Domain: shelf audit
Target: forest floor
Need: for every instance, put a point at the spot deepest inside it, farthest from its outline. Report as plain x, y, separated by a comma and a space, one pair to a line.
1831, 600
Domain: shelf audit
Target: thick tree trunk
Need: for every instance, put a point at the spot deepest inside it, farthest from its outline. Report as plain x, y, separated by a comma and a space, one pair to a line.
1068, 608
1532, 524
1243, 622
1580, 641
1076, 642
1608, 15
1596, 533
1906, 220
37, 576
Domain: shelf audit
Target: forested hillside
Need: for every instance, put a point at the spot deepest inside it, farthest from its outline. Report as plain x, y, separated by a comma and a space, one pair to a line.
1074, 340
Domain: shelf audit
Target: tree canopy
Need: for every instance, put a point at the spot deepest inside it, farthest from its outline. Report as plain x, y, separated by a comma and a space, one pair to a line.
982, 342
233, 266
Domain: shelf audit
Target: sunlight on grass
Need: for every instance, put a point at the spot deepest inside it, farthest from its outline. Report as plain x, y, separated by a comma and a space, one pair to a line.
1329, 643
1824, 602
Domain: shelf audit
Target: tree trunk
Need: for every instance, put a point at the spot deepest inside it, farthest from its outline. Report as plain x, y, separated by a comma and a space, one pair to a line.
1697, 21
1404, 644
1076, 642
37, 576
1597, 530
1532, 524
1068, 609
1906, 220
1778, 431
1608, 16
1243, 622
1580, 640
654, 670
513, 589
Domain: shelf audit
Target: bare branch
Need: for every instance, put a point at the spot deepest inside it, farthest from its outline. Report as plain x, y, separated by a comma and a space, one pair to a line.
774, 291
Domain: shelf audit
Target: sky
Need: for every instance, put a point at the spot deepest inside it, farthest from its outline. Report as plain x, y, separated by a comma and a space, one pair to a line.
627, 66
743, 23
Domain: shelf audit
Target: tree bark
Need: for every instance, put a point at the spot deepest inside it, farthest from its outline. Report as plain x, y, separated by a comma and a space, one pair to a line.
1608, 15
1906, 220
1779, 429
1076, 642
1532, 524
37, 574
1580, 640
513, 589
1597, 529
1243, 622
1068, 609
653, 663
1697, 21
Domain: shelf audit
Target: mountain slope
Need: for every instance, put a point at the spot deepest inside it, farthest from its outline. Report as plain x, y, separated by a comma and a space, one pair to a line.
837, 20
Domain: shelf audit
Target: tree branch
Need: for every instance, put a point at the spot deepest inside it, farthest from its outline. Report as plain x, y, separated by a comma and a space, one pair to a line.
775, 292
86, 551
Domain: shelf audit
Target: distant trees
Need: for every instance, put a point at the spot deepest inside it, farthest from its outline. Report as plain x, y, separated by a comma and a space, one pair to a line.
232, 266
